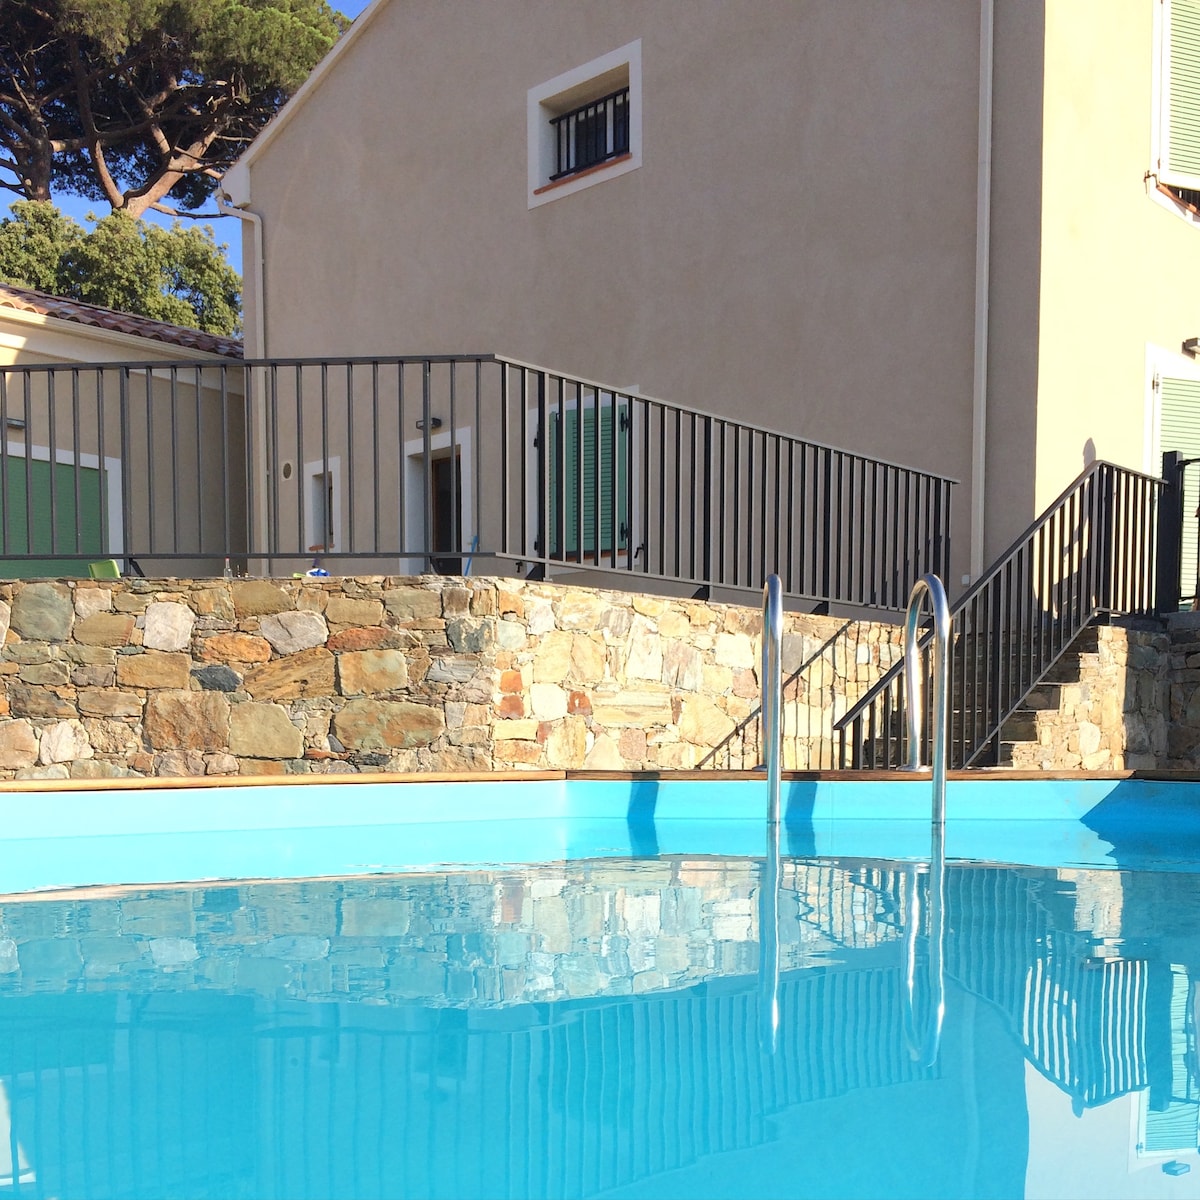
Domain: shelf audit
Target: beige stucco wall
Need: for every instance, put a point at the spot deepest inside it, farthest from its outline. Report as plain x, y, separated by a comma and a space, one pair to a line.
796, 249
1119, 269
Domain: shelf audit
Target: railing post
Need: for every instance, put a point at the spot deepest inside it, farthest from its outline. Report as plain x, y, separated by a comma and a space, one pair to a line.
1170, 534
126, 463
427, 460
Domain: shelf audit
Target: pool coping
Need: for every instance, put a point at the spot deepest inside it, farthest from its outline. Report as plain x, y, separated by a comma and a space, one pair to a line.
190, 782
148, 830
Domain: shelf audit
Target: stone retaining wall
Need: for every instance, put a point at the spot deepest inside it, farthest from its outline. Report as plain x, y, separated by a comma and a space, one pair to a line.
219, 677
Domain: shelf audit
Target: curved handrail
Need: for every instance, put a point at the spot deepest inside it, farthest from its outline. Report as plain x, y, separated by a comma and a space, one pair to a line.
914, 705
772, 688
768, 893
925, 1050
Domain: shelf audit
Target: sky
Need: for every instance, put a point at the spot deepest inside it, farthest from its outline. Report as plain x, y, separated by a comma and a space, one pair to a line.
227, 230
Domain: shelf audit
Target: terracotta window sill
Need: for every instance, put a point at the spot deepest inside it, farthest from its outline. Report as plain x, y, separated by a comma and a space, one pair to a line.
604, 166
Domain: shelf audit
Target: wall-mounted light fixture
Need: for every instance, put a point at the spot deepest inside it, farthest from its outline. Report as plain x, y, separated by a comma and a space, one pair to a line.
1192, 346
434, 423
15, 422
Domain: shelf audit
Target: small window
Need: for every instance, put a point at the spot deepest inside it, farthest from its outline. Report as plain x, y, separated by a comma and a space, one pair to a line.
591, 134
585, 125
323, 506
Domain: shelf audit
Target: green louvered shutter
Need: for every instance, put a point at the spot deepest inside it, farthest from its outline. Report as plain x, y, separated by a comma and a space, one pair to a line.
62, 528
1180, 431
1181, 164
609, 526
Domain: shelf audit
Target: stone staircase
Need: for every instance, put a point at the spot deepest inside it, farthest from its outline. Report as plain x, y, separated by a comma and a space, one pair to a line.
1103, 706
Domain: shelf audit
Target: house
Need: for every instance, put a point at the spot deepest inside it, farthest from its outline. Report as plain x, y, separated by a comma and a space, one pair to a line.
962, 237
126, 437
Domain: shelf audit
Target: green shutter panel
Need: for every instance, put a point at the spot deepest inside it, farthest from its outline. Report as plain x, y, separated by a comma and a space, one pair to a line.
1183, 154
604, 527
58, 528
1180, 430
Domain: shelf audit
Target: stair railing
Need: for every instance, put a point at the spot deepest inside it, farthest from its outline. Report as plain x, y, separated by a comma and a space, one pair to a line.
1091, 552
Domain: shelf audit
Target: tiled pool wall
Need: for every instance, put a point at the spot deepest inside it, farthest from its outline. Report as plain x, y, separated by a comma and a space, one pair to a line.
257, 677
67, 839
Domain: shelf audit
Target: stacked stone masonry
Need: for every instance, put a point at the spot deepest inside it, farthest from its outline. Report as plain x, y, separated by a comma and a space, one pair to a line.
1104, 707
217, 677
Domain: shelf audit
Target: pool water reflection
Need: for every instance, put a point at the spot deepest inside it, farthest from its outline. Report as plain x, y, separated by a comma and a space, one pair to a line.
592, 1027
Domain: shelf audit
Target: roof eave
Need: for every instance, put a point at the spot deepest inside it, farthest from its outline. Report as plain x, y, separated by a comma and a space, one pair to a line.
236, 180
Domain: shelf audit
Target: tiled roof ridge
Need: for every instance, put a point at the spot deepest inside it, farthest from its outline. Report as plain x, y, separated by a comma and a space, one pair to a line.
81, 313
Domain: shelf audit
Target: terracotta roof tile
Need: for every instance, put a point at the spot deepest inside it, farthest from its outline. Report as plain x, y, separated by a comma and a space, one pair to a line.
27, 300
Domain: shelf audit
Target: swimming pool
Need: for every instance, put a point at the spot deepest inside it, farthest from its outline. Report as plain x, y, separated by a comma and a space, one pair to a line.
577, 1010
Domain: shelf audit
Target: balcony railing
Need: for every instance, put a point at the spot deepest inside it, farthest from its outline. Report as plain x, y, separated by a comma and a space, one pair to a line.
591, 134
452, 464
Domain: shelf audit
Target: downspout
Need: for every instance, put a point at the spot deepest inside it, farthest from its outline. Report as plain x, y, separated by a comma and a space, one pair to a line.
259, 348
983, 230
258, 466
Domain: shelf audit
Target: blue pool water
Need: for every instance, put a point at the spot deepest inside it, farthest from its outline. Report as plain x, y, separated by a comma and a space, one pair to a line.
573, 1002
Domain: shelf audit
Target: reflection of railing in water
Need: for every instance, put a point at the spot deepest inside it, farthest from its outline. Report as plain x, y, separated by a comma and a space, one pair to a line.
644, 1079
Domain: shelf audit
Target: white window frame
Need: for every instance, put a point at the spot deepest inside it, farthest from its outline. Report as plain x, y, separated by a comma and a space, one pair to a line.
416, 487
1161, 362
1160, 171
312, 472
567, 91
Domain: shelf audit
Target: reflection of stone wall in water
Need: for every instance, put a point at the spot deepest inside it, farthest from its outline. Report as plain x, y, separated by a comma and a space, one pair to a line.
527, 935
177, 677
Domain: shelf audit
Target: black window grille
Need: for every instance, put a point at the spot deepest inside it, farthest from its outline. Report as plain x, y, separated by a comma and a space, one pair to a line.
591, 134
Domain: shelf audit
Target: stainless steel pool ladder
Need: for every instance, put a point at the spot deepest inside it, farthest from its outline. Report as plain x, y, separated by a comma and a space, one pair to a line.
768, 892
924, 1050
772, 688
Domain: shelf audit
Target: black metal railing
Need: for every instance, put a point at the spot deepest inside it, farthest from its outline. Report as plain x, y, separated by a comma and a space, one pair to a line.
403, 465
591, 134
1092, 552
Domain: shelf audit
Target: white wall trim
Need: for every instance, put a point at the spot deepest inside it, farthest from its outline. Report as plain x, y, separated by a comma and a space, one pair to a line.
416, 485
312, 471
234, 177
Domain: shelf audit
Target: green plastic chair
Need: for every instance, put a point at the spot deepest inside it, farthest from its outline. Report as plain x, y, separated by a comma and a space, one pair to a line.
106, 568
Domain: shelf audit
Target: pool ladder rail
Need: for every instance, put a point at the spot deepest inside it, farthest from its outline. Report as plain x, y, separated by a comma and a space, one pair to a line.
768, 892
924, 1049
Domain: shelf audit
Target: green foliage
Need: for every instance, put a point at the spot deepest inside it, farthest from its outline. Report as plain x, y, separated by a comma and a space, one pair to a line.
32, 242
136, 101
177, 274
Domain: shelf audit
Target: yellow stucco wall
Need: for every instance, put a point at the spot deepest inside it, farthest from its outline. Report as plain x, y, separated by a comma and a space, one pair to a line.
1119, 269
